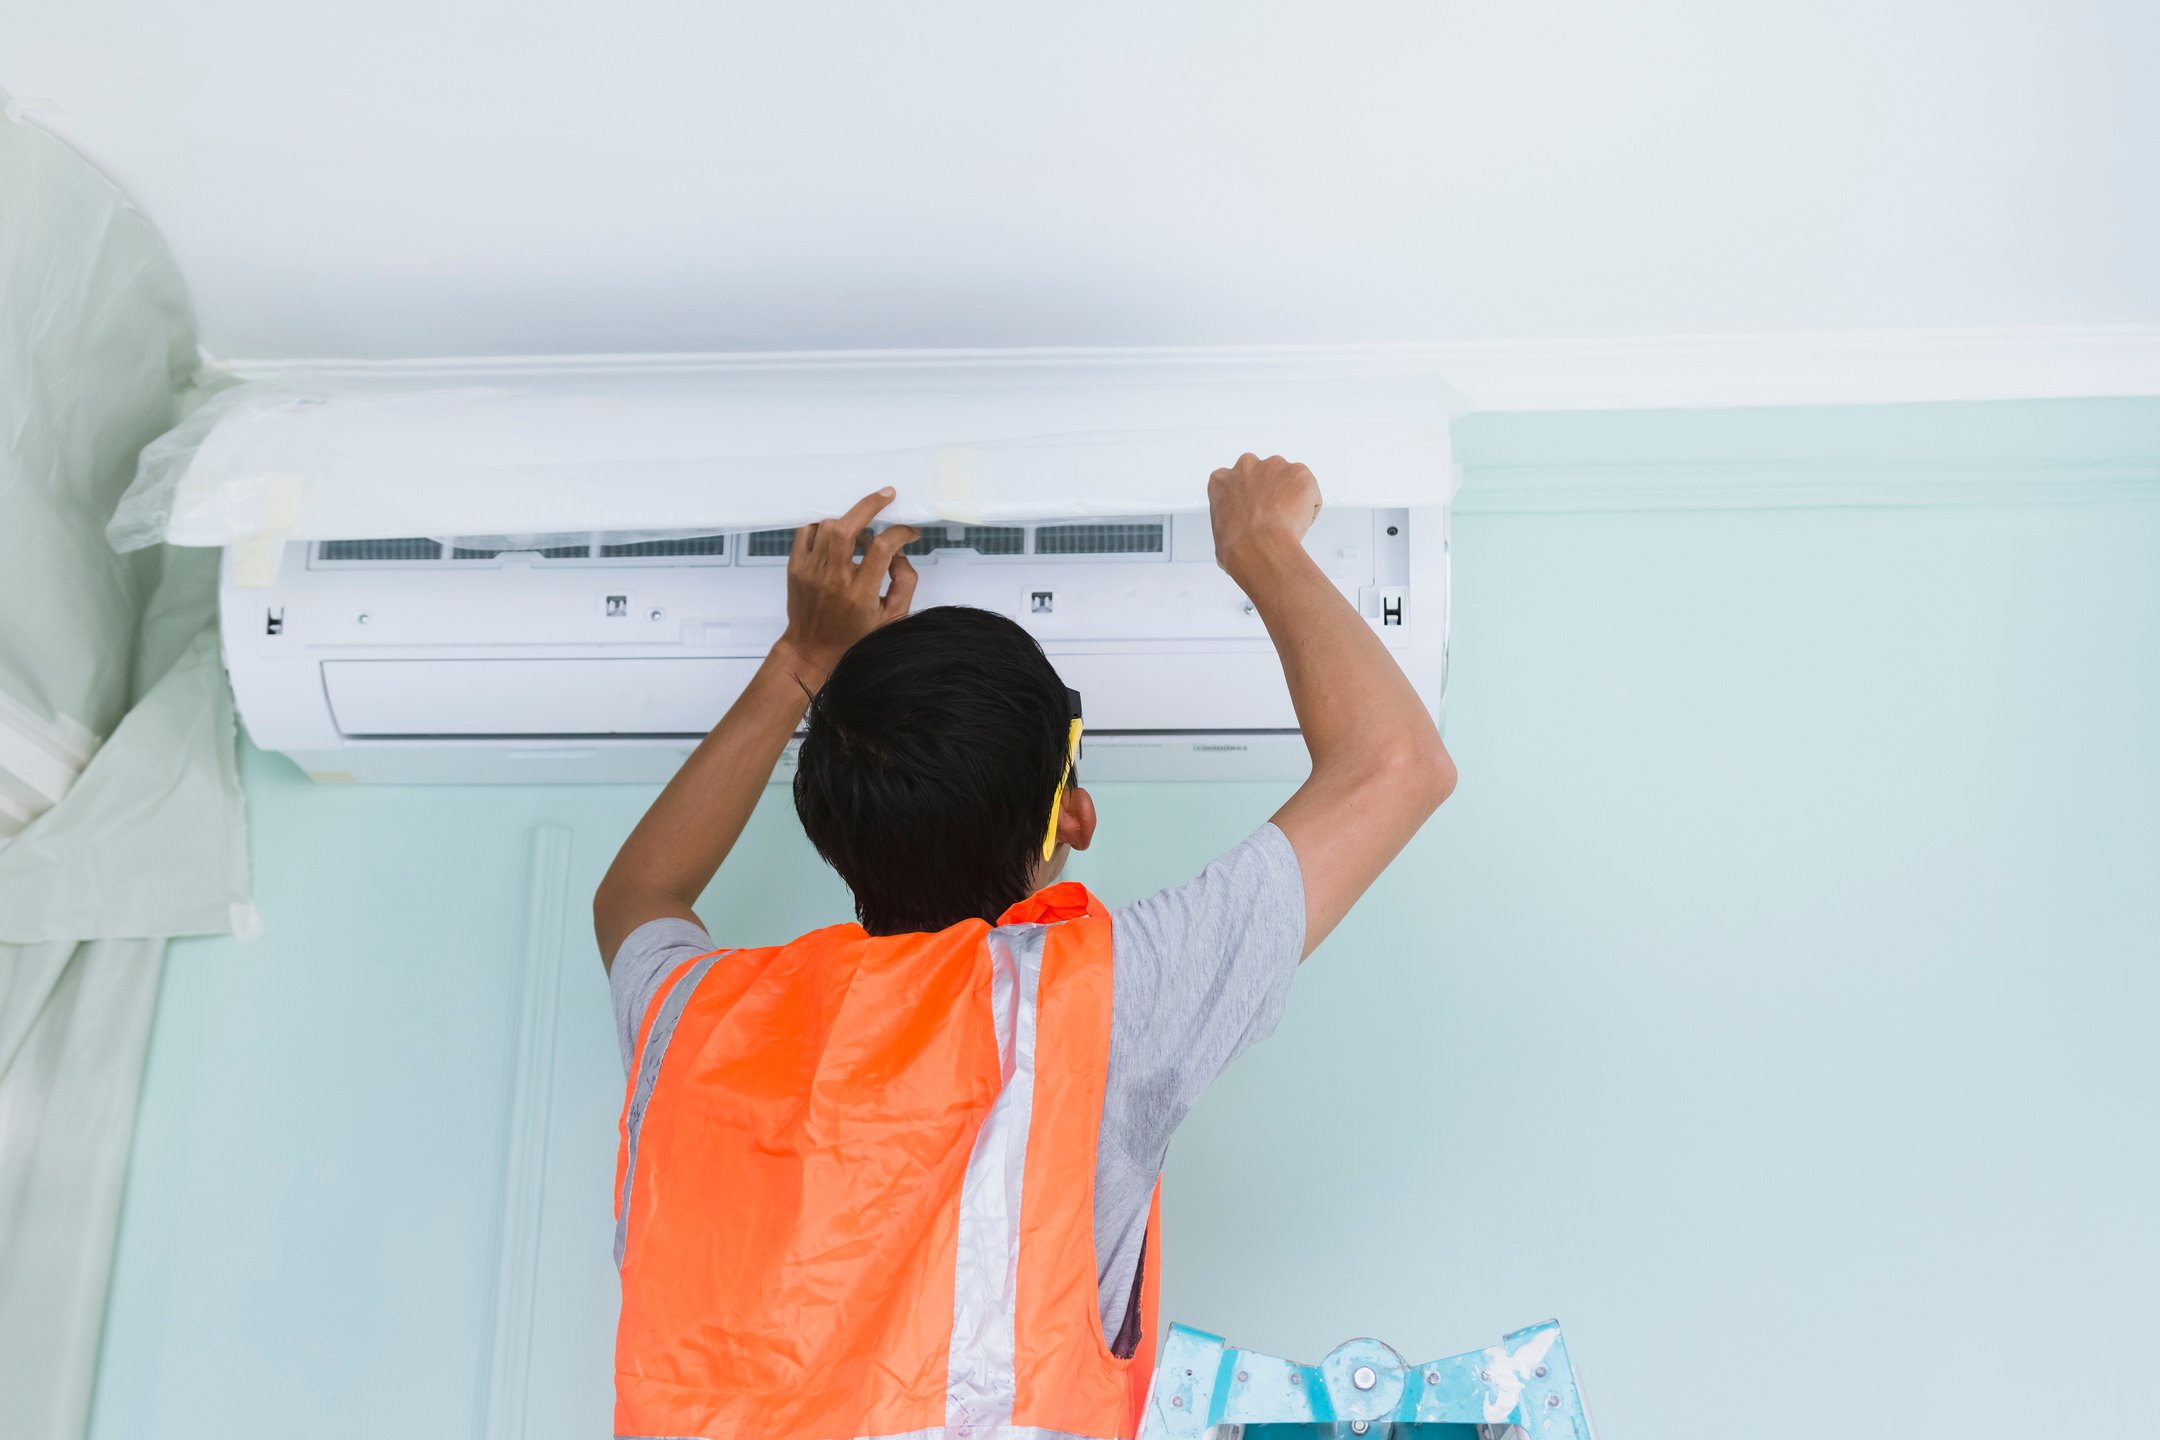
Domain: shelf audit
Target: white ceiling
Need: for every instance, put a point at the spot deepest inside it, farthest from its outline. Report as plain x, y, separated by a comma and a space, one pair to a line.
479, 176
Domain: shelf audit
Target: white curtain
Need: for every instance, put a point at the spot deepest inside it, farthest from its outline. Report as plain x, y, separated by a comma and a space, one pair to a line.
120, 808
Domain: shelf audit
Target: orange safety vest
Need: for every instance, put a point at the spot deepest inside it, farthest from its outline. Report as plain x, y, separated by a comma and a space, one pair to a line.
855, 1190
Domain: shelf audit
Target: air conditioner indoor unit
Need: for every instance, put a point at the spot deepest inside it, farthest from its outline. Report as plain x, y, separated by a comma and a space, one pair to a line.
566, 569
587, 657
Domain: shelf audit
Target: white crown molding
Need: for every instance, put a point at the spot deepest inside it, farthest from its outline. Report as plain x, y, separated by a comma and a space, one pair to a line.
1812, 484
1668, 372
527, 1101
1865, 367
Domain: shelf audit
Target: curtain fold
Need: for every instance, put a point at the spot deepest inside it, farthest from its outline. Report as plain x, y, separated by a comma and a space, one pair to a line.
74, 1031
120, 809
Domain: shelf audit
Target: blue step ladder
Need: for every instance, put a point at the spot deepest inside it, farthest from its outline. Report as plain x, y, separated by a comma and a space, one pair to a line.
1207, 1387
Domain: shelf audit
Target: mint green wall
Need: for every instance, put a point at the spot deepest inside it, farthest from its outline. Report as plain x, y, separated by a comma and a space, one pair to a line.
1773, 1003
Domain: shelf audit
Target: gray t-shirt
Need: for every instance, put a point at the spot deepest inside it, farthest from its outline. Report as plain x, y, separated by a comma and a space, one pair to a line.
1200, 971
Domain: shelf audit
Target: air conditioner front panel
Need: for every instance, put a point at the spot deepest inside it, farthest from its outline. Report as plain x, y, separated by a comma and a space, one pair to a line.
744, 609
399, 698
442, 661
659, 698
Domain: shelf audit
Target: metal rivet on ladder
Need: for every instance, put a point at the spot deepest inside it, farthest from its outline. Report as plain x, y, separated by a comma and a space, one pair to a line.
1540, 1372
1432, 1377
1484, 1374
1359, 1427
1363, 1377
1177, 1402
1552, 1399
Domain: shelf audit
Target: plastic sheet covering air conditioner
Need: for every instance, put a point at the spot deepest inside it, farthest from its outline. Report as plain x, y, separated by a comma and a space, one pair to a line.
684, 446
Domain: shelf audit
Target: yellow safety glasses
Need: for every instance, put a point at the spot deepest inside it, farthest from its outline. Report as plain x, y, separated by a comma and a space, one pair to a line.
1072, 758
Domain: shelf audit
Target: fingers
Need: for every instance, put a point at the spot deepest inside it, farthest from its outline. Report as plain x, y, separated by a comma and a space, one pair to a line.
1251, 467
1248, 462
901, 594
838, 536
884, 549
799, 548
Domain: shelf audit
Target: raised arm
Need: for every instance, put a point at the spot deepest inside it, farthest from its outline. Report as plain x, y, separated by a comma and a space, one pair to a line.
1379, 769
832, 601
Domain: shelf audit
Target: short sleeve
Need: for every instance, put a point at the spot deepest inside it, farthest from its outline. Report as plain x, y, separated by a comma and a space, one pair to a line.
646, 958
1202, 971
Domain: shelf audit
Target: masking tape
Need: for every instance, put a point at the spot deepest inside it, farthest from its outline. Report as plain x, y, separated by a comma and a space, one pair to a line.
958, 471
39, 760
17, 810
256, 557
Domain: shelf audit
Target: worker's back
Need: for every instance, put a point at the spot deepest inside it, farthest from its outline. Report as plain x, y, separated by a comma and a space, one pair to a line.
900, 1178
854, 1192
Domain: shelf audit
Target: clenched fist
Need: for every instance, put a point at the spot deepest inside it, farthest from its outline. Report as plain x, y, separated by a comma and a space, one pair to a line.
1257, 504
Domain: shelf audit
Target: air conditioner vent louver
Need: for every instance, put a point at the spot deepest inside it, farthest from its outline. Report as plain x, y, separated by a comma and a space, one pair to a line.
416, 547
767, 543
1077, 539
406, 550
1100, 538
546, 552
982, 539
693, 545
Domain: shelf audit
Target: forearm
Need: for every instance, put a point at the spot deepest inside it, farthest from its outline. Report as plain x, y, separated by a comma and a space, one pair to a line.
1357, 709
833, 600
673, 853
1379, 769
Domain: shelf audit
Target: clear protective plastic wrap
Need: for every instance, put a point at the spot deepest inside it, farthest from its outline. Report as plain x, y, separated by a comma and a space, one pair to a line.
667, 446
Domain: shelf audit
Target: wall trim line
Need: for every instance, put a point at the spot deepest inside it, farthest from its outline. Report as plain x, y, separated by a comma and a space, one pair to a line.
528, 1096
1629, 372
1804, 485
1852, 367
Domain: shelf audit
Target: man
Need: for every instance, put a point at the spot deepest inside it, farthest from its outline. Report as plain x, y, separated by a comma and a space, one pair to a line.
897, 1178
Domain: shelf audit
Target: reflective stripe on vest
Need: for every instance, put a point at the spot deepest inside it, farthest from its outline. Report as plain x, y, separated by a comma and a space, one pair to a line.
979, 1381
650, 1053
846, 1127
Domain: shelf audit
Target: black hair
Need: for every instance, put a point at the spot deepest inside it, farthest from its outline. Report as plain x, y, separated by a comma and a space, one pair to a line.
929, 765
